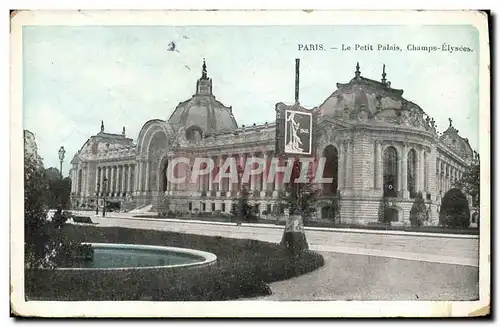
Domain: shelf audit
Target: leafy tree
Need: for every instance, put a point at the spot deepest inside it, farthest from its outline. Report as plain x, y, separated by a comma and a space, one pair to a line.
469, 182
279, 204
418, 213
454, 211
334, 209
36, 236
44, 242
59, 189
243, 208
301, 197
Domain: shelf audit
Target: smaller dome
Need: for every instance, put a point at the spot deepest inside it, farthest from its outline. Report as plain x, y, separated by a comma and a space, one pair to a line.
203, 111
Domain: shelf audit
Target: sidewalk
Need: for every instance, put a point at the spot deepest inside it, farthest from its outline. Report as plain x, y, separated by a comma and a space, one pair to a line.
321, 229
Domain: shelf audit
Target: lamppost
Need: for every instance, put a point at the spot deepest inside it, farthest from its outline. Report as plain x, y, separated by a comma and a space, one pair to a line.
61, 152
104, 190
97, 200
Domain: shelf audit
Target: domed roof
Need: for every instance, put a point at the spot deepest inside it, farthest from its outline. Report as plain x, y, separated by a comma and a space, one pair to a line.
203, 111
364, 94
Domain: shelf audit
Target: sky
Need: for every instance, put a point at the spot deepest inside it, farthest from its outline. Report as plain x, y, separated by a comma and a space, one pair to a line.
76, 76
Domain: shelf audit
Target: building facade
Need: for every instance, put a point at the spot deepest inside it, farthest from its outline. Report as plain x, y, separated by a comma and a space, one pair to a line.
378, 147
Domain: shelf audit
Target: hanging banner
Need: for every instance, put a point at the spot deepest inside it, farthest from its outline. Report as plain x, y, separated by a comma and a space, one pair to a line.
294, 130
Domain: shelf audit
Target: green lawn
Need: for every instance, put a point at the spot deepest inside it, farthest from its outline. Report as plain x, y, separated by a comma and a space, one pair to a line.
243, 269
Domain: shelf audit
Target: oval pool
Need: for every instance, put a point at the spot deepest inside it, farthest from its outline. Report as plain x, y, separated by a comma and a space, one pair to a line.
136, 256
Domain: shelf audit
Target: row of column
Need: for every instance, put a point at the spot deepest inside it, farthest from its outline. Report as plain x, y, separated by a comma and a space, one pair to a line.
79, 183
422, 168
446, 175
119, 179
256, 183
142, 176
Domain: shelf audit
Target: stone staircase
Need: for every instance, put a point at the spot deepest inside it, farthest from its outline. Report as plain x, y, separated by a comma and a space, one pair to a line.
141, 209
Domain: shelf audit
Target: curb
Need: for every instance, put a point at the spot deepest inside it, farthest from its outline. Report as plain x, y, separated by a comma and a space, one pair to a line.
320, 229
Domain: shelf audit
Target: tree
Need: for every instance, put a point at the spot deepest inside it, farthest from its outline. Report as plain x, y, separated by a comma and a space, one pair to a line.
44, 243
469, 183
418, 213
243, 208
454, 211
36, 236
301, 199
59, 189
279, 205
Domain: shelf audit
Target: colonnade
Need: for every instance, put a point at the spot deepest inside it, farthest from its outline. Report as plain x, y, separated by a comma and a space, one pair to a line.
446, 174
119, 179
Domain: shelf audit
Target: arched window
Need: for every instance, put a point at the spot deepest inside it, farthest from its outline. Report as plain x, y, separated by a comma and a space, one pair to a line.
411, 172
331, 170
390, 171
164, 177
194, 134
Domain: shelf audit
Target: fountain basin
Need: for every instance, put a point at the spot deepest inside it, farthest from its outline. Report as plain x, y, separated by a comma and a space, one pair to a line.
111, 256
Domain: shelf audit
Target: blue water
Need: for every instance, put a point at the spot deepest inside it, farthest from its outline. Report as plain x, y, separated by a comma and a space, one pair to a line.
126, 258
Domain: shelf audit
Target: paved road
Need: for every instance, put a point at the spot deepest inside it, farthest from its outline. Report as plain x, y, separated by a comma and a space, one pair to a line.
459, 251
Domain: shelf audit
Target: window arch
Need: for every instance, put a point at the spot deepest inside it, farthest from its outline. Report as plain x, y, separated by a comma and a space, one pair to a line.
331, 169
411, 172
390, 171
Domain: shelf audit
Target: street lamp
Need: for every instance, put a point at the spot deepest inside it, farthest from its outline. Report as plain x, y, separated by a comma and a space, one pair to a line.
97, 200
61, 152
104, 190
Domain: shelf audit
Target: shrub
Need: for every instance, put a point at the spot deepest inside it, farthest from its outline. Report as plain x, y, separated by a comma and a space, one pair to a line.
418, 213
454, 211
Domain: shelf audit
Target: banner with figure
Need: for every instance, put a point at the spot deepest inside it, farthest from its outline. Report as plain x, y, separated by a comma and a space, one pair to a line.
294, 130
298, 132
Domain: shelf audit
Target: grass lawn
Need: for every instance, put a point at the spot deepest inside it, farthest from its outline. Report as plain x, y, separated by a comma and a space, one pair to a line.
311, 223
243, 269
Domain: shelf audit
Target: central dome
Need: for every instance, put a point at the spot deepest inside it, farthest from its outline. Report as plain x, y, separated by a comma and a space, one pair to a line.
203, 112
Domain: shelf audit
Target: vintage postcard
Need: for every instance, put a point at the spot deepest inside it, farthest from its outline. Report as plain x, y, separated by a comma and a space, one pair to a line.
250, 164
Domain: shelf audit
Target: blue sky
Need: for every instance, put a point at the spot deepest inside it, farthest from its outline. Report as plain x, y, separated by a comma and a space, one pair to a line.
74, 77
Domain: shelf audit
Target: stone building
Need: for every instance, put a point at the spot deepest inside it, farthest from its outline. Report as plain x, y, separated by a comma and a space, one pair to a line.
378, 146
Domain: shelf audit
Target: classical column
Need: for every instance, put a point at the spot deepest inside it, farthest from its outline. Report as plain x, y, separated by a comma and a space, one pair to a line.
220, 187
349, 165
264, 174
253, 178
229, 183
123, 190
378, 165
447, 177
96, 180
86, 181
128, 169
438, 176
341, 167
421, 171
404, 172
210, 180
242, 165
147, 177
115, 179
138, 176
